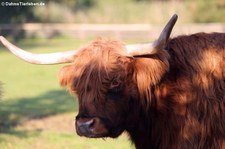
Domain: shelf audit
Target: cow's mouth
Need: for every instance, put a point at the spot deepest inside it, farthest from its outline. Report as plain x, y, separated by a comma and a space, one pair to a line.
95, 128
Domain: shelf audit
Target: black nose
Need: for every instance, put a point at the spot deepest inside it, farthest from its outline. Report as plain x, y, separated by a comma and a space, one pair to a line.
84, 126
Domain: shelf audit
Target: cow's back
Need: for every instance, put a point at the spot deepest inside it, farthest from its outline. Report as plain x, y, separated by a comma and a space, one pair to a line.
200, 52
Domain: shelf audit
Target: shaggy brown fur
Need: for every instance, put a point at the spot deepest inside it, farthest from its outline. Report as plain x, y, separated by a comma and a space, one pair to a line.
175, 99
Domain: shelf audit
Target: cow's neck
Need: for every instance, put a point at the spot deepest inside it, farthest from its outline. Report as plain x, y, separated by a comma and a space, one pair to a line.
149, 128
140, 130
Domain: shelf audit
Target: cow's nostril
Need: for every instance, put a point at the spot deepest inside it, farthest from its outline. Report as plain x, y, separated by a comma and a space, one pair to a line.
87, 124
90, 123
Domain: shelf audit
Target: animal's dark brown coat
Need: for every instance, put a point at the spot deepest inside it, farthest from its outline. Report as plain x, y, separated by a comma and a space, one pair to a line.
174, 99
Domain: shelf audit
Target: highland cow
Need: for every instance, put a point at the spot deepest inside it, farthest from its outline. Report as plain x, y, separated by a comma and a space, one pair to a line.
169, 94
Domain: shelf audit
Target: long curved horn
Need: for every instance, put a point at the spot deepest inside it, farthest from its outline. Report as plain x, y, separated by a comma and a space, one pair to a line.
44, 59
159, 44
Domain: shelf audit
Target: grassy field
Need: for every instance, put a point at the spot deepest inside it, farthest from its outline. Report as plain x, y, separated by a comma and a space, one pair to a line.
35, 113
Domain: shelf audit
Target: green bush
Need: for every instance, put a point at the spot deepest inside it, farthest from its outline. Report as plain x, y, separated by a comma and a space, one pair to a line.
209, 11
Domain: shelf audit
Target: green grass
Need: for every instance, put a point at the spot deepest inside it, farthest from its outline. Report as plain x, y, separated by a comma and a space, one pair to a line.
50, 139
32, 93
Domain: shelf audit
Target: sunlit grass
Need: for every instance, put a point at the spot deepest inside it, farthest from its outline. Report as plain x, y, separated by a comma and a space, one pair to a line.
32, 93
49, 140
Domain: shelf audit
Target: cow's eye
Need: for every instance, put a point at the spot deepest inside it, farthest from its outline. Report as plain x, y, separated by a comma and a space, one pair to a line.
115, 84
115, 88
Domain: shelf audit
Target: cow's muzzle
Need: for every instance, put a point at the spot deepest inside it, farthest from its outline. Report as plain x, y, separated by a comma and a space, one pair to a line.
91, 127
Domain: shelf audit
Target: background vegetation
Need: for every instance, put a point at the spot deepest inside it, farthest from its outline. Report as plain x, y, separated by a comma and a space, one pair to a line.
115, 11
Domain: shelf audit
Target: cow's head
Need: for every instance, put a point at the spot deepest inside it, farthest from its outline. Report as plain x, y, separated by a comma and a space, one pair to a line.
112, 80
101, 77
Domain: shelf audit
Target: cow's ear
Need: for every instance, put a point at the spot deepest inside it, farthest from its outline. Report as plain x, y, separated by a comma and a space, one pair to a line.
65, 75
149, 71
